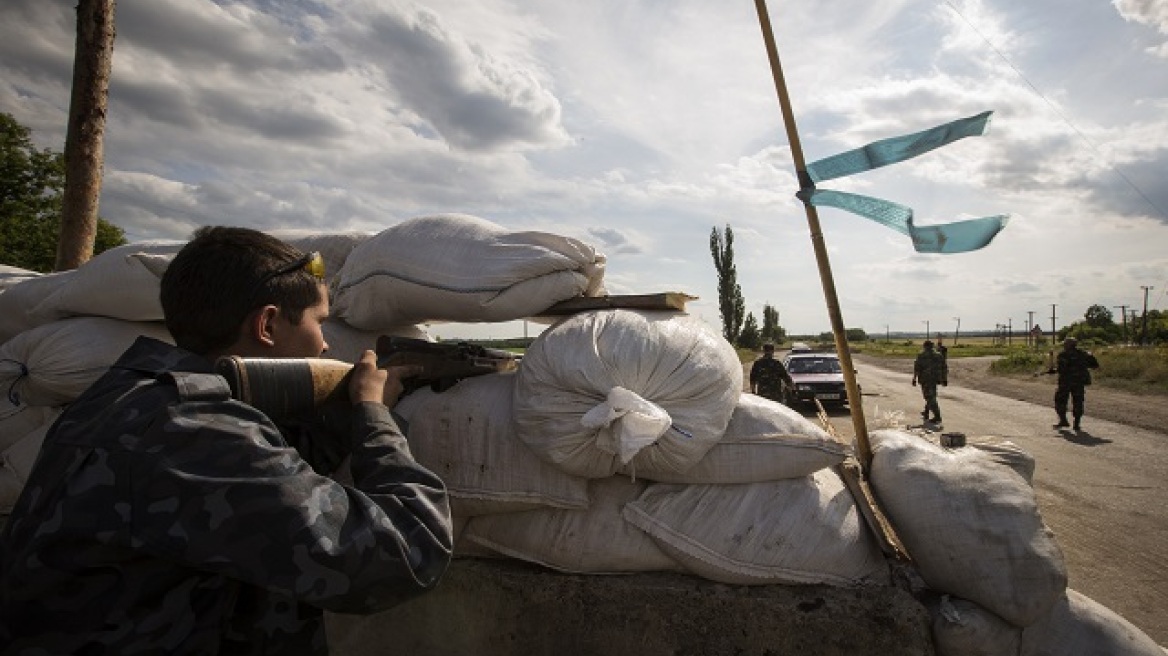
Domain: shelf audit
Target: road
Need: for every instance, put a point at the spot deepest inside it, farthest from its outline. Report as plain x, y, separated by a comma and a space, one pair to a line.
1101, 492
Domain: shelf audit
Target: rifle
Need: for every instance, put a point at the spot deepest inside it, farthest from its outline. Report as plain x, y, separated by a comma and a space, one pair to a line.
301, 387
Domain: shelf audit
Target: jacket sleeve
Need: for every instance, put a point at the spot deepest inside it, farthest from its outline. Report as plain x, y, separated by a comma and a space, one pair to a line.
227, 495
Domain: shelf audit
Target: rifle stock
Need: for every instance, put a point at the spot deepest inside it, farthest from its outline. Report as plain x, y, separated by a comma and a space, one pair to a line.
301, 387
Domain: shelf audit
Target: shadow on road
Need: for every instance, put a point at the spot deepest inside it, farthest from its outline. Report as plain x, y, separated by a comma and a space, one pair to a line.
1083, 437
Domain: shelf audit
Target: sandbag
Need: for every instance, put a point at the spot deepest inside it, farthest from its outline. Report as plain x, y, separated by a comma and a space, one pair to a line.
466, 436
596, 540
764, 441
19, 299
671, 360
10, 276
970, 523
962, 628
455, 267
54, 363
17, 420
795, 531
1007, 453
120, 283
1078, 625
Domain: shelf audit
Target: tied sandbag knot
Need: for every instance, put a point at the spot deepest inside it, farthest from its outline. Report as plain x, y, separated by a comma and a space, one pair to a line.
634, 423
13, 396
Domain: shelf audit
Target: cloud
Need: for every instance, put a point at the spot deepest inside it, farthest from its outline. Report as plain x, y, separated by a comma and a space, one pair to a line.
1153, 13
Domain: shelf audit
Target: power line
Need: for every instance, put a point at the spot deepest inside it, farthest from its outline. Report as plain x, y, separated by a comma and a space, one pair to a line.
1060, 114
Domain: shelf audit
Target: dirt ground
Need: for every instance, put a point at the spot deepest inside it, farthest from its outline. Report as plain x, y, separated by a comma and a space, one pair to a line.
1147, 412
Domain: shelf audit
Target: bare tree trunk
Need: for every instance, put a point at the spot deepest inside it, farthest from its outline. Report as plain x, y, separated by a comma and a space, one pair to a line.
84, 145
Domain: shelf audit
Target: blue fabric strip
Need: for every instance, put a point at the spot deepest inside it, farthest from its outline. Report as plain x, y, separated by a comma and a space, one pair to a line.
956, 237
896, 149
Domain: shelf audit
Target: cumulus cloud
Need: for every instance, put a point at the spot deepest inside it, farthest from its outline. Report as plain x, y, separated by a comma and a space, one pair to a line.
1153, 13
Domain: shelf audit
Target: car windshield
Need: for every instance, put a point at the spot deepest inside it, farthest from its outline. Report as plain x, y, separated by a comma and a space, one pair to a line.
814, 366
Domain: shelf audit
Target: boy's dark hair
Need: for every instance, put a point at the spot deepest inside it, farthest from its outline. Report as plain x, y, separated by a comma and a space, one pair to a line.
217, 279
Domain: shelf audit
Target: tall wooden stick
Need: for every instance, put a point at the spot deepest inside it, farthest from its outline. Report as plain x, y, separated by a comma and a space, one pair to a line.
825, 277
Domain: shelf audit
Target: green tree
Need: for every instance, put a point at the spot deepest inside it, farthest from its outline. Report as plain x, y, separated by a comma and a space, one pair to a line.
1098, 316
731, 304
771, 330
31, 184
750, 337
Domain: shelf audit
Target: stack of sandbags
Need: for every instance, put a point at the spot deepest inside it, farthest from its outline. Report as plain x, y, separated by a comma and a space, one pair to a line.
455, 267
969, 519
749, 496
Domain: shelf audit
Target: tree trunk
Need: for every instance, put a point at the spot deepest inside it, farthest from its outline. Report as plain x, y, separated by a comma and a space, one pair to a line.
84, 149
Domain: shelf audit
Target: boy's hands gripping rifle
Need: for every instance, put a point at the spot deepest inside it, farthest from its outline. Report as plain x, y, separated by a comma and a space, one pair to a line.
443, 365
303, 387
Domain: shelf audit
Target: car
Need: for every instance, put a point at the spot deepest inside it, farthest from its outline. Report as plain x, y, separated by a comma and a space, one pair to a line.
814, 375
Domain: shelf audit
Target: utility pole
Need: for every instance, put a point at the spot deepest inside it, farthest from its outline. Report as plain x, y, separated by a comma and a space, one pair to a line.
927, 331
1030, 328
1053, 332
1144, 327
1123, 316
957, 332
1010, 331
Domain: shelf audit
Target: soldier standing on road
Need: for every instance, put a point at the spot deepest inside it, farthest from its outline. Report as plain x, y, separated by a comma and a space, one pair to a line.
1074, 374
930, 368
767, 375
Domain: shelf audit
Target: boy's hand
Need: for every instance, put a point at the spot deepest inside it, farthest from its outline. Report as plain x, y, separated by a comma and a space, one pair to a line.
370, 384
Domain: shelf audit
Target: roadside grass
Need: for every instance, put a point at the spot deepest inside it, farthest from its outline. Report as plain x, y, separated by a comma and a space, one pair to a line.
1139, 370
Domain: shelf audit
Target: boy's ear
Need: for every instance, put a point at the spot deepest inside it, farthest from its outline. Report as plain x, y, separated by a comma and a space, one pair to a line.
260, 325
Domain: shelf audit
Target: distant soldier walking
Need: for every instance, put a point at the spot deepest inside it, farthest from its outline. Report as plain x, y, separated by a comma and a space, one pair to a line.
930, 369
1074, 374
767, 375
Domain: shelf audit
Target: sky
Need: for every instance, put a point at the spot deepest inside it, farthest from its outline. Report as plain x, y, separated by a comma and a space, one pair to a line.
639, 127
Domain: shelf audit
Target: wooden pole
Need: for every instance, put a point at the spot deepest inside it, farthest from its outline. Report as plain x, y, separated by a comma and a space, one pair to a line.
825, 277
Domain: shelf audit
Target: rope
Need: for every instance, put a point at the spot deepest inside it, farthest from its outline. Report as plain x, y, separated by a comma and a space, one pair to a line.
13, 397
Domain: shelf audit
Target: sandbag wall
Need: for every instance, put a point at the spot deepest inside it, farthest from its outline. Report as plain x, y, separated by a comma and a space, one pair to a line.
622, 444
60, 332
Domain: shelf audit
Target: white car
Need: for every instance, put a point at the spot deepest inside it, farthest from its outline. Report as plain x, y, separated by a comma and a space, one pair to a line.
814, 376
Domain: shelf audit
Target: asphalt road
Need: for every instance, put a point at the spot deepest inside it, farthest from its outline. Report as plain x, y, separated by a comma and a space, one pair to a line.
1101, 491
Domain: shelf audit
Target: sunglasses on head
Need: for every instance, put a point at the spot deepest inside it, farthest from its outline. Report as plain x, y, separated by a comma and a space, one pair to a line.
313, 263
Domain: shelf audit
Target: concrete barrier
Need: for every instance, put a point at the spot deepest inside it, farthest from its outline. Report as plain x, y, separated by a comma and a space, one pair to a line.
508, 608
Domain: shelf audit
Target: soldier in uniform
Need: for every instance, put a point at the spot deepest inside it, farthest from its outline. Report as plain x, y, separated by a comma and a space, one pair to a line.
930, 369
164, 517
767, 375
1074, 374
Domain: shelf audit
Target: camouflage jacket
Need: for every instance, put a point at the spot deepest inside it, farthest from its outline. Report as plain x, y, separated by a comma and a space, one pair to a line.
162, 517
1074, 367
931, 368
767, 374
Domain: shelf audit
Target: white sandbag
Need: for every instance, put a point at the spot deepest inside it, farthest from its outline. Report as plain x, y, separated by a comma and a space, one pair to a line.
1078, 625
456, 267
970, 523
17, 420
795, 531
18, 300
592, 541
347, 343
672, 360
334, 247
121, 283
962, 628
10, 276
1007, 453
20, 457
466, 436
764, 441
54, 363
